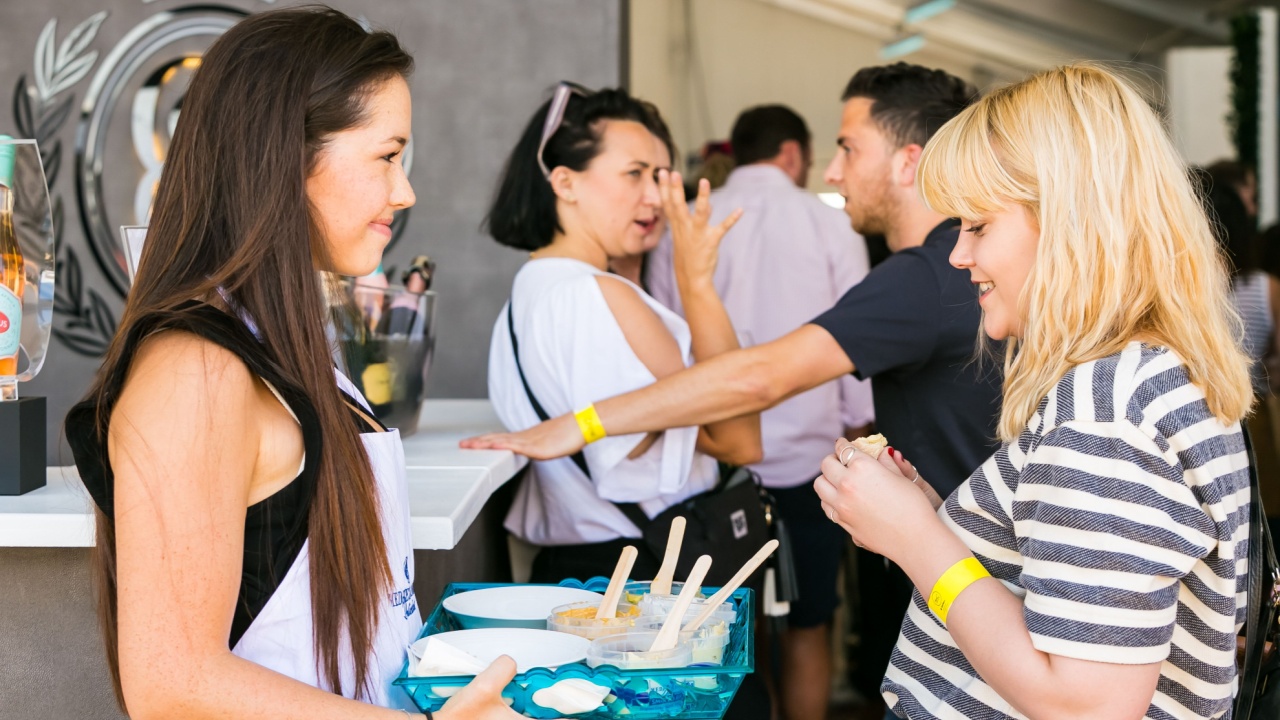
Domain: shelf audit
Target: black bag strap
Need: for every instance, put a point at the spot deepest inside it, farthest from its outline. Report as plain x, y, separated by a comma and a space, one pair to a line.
578, 458
1264, 591
631, 510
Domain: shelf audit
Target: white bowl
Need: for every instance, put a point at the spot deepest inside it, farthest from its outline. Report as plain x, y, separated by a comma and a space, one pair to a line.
513, 606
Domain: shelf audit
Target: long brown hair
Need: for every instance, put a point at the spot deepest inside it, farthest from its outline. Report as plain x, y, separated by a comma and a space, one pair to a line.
231, 212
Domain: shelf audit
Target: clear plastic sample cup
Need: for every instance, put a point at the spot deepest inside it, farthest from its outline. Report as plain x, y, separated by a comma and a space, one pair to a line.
580, 619
638, 590
661, 605
707, 642
630, 651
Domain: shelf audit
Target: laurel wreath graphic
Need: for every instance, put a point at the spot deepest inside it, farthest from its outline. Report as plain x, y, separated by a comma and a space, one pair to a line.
84, 321
40, 108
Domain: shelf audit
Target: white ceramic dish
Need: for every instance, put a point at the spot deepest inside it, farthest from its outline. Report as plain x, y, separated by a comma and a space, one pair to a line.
513, 606
529, 648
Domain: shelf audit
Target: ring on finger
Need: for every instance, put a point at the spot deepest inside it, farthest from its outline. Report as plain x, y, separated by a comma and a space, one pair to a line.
915, 480
831, 514
847, 454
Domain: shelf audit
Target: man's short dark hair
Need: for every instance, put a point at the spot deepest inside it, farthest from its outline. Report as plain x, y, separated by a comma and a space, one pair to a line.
910, 102
1230, 172
759, 132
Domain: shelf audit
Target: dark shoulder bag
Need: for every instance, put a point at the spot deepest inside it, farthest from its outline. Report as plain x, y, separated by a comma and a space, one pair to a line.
730, 522
1259, 693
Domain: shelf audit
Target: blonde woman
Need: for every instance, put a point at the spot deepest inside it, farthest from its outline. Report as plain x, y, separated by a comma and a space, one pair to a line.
1094, 566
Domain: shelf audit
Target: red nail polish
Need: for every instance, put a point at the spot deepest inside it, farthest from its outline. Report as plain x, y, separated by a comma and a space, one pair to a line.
892, 453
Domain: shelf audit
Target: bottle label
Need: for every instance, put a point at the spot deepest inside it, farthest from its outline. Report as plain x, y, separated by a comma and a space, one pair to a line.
10, 322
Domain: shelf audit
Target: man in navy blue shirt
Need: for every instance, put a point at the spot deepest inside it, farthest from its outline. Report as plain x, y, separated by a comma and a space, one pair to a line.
910, 325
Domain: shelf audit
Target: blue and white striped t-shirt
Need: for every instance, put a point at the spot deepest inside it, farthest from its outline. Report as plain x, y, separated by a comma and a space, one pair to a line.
1120, 516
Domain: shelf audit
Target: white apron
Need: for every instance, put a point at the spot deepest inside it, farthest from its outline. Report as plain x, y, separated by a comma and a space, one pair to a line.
280, 637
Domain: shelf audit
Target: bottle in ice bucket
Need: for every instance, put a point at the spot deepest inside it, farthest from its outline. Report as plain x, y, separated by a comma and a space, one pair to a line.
12, 278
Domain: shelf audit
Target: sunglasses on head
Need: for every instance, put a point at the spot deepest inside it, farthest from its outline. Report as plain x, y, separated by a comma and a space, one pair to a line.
555, 116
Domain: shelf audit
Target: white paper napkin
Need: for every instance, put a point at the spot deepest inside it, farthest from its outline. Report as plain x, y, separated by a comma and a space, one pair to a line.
437, 657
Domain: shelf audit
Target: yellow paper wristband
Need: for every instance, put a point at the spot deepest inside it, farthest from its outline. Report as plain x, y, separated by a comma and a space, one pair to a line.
589, 423
952, 583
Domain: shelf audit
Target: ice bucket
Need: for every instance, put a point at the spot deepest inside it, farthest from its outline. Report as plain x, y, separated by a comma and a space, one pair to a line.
386, 337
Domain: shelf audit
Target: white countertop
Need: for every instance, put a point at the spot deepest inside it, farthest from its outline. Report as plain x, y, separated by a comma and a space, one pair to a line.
448, 486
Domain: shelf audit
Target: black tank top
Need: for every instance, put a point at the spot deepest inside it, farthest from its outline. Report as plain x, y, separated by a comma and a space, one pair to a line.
275, 528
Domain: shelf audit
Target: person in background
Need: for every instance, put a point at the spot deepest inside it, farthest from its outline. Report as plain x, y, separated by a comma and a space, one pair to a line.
1256, 294
581, 189
909, 325
253, 557
1239, 177
788, 259
1093, 566
715, 163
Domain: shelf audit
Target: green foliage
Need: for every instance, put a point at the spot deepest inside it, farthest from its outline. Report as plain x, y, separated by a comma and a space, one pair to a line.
1244, 87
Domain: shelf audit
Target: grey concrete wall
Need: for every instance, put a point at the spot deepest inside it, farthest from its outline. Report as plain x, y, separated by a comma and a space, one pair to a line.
482, 67
51, 658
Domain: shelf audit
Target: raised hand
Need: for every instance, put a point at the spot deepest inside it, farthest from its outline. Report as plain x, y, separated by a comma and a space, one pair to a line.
554, 438
695, 242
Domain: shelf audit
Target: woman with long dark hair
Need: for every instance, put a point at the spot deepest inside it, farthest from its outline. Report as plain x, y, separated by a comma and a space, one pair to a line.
253, 554
581, 190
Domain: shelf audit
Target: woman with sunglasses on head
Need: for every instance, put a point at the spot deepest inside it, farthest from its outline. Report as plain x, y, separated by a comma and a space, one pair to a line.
253, 555
1094, 566
634, 267
585, 185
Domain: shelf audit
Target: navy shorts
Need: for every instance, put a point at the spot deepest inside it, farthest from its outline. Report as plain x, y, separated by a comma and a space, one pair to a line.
818, 545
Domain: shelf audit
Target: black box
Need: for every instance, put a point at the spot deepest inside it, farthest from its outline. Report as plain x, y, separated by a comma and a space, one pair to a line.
22, 445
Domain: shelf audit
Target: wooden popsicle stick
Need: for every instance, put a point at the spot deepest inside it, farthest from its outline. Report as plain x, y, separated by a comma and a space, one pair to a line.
609, 606
670, 632
734, 583
661, 584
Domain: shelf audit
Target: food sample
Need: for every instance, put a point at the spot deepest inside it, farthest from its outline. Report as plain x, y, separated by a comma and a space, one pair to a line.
707, 642
638, 590
661, 605
580, 619
872, 445
630, 651
588, 612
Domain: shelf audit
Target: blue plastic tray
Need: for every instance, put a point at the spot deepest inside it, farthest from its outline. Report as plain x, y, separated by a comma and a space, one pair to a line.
692, 692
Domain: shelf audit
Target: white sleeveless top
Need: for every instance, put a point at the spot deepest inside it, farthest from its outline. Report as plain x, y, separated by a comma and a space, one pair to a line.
574, 353
280, 637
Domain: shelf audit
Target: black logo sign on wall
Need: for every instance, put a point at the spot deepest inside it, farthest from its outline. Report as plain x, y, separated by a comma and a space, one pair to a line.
127, 119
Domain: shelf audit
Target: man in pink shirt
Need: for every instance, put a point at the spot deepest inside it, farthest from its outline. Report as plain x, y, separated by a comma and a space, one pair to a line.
788, 259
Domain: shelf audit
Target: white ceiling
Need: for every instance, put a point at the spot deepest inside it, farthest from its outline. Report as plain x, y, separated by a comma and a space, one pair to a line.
1013, 36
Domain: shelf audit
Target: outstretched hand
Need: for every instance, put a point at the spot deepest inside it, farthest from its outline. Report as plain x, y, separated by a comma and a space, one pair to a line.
695, 241
555, 438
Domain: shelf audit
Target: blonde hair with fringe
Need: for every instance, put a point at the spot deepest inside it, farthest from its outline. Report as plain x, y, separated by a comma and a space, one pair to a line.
1125, 250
